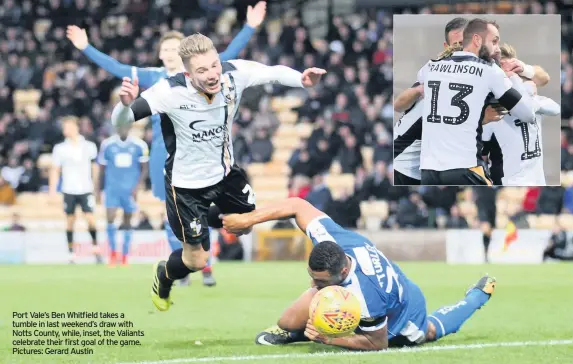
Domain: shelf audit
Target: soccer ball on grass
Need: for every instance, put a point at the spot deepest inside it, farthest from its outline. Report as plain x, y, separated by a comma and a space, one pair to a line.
334, 311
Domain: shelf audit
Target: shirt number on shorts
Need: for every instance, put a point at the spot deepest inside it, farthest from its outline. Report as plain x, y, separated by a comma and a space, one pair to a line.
457, 101
248, 190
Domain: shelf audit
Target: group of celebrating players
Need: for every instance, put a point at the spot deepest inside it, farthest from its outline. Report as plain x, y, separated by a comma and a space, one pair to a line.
474, 116
192, 102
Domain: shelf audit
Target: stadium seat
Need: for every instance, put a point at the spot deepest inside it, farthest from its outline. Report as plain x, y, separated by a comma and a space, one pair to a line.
285, 103
304, 130
266, 169
544, 222
468, 209
288, 117
501, 221
566, 221
373, 213
271, 182
286, 130
340, 181
26, 97
282, 156
285, 143
514, 194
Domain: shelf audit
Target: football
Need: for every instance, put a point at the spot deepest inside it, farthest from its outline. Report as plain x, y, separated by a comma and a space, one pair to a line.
334, 311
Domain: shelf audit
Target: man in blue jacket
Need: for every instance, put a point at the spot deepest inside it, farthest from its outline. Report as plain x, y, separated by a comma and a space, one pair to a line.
172, 64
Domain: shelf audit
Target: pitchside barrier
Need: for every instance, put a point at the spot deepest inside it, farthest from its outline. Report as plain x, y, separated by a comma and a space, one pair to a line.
451, 246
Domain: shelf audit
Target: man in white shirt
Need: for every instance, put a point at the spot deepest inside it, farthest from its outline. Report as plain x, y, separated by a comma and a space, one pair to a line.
455, 93
519, 161
75, 160
197, 109
408, 130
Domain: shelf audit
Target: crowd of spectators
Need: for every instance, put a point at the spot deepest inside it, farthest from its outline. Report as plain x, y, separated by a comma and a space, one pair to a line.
352, 108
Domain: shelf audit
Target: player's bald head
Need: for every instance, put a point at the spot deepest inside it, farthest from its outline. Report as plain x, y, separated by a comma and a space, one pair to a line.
454, 31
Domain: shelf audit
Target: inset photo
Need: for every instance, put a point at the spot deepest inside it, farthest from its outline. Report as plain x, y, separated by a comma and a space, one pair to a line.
477, 100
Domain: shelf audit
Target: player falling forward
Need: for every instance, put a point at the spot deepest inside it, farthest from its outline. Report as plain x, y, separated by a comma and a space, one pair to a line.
123, 160
172, 64
393, 308
520, 162
454, 94
197, 109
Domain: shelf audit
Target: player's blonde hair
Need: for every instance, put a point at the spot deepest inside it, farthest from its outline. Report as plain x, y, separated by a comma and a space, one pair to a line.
194, 45
172, 34
507, 51
456, 47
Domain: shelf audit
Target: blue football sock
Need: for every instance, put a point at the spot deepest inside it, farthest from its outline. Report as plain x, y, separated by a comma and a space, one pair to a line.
449, 319
127, 235
174, 243
111, 229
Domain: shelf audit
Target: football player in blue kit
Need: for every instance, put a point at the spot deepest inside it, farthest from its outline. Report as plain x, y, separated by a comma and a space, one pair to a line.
393, 308
123, 160
148, 76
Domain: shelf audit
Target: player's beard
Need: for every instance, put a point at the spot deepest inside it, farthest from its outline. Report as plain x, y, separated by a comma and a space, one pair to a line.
485, 54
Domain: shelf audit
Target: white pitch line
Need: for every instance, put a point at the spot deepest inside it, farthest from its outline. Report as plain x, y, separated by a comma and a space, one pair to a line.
418, 349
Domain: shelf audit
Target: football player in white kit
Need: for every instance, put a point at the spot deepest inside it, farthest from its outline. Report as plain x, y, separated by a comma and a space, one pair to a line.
520, 162
408, 130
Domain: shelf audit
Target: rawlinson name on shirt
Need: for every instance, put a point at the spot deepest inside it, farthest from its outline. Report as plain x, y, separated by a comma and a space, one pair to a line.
456, 68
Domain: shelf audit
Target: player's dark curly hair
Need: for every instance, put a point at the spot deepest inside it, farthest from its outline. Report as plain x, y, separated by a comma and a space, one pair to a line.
327, 256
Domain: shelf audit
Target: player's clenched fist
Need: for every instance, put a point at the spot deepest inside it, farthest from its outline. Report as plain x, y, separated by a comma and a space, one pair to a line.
128, 91
236, 223
311, 76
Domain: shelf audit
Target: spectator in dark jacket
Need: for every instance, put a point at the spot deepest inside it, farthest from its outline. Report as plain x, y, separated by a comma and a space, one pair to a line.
350, 157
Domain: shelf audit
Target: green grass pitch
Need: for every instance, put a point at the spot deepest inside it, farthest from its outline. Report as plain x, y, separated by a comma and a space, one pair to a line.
532, 305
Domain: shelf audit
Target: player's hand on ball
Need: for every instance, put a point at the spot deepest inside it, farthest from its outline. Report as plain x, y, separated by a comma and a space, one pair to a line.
128, 91
235, 223
77, 36
311, 76
313, 335
256, 14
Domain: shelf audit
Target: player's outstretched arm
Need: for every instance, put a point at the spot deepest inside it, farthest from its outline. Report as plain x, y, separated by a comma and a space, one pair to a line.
362, 340
254, 73
255, 17
302, 211
79, 39
408, 97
